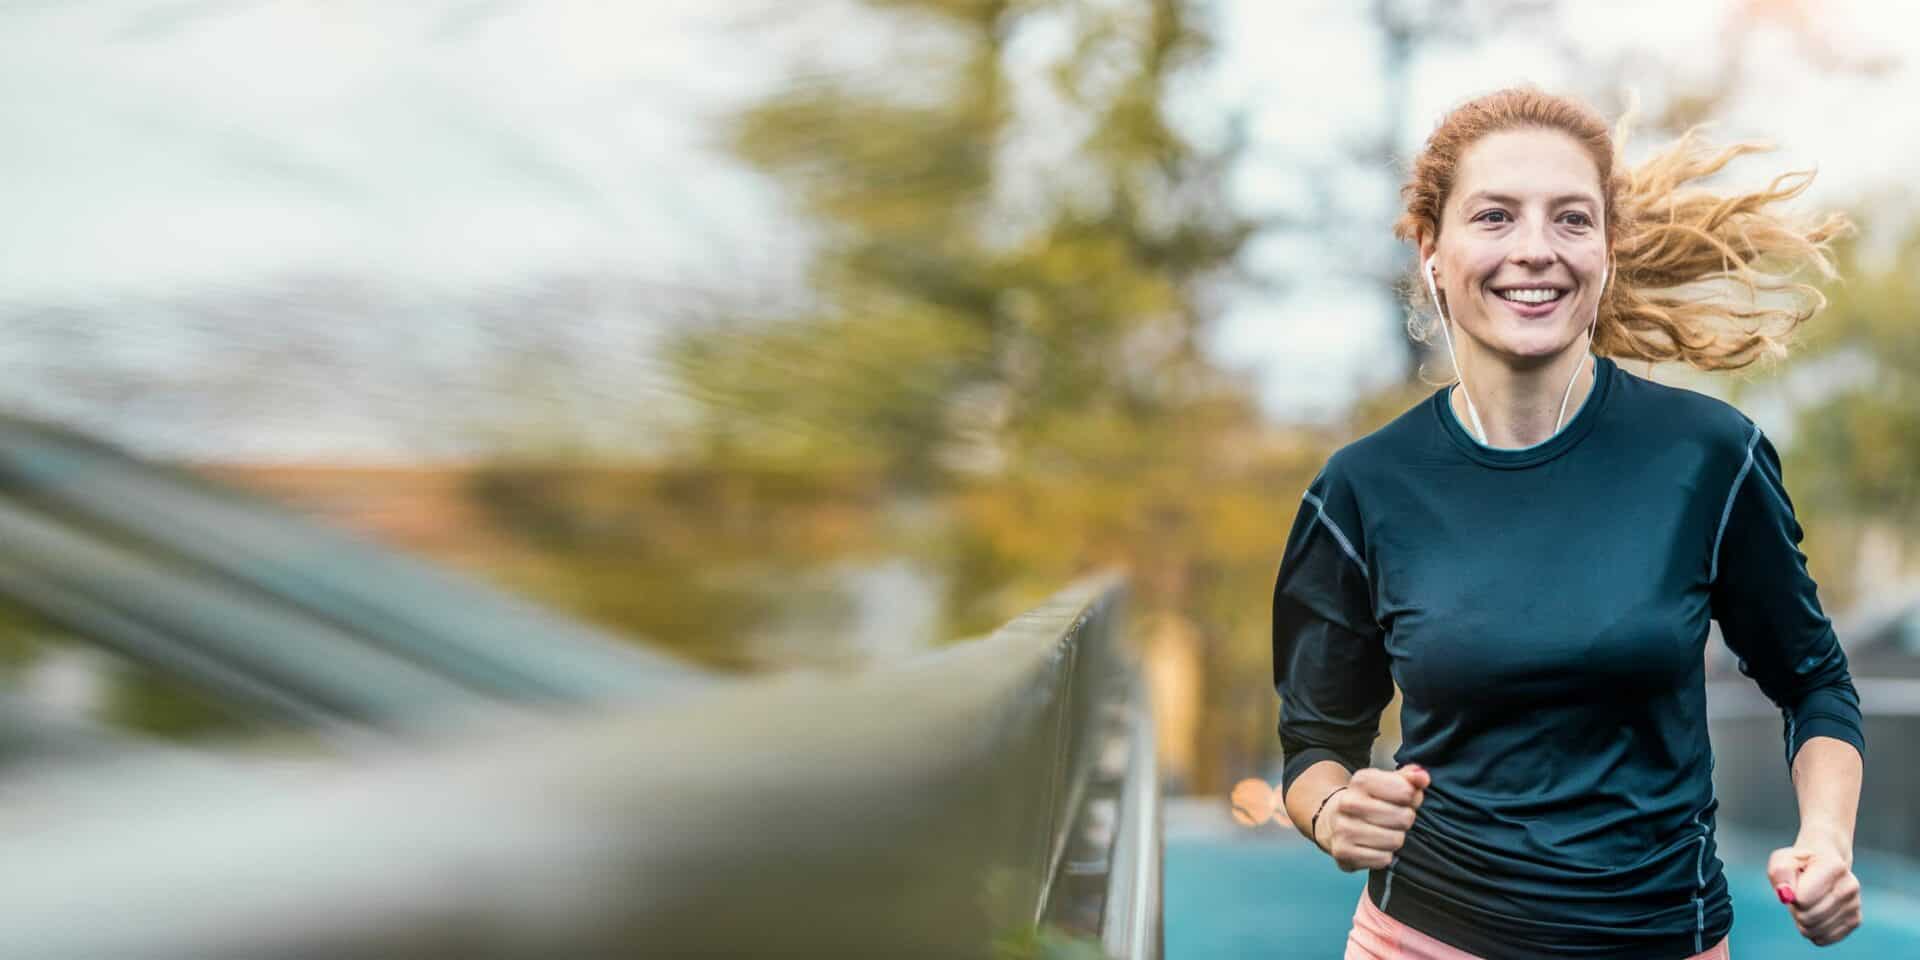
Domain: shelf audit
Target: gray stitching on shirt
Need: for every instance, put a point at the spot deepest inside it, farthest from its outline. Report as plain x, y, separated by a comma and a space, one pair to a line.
1713, 571
1700, 880
1699, 923
1699, 860
1320, 513
1386, 892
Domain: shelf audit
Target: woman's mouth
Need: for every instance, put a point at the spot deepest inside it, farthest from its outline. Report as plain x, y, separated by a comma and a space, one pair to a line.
1531, 301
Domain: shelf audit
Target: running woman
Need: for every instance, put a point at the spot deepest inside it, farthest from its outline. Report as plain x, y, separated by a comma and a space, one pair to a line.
1533, 553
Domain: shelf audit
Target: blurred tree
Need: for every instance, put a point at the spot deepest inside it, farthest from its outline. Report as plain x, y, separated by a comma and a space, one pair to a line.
967, 295
1854, 385
698, 559
1019, 255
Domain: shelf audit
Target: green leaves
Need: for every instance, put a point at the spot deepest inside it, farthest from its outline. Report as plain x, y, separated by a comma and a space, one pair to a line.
1854, 387
946, 319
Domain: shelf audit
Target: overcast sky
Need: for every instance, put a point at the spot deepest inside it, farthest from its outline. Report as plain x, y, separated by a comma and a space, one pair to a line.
158, 149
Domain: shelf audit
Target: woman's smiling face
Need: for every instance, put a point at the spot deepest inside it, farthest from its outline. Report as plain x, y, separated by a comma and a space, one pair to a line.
1522, 245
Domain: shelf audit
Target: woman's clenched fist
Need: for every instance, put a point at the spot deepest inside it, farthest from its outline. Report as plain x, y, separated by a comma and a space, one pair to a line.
1363, 825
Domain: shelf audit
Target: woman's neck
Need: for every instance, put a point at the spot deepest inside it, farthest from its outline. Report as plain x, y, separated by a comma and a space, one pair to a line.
1518, 407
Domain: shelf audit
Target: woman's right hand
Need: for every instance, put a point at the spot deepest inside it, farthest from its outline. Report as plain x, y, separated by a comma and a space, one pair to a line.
1366, 823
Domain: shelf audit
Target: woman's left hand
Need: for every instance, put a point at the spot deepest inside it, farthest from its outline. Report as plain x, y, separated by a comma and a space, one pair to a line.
1816, 882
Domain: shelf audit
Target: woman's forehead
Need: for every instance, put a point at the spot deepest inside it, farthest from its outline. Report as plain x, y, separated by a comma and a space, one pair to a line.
1527, 165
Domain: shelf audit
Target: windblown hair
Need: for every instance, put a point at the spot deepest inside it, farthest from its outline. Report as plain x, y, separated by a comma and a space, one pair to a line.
1702, 277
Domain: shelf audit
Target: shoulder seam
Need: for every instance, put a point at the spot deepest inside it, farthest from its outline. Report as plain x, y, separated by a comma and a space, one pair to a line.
1320, 514
1713, 570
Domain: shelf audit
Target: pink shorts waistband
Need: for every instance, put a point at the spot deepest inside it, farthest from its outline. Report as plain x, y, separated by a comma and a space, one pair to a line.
1376, 936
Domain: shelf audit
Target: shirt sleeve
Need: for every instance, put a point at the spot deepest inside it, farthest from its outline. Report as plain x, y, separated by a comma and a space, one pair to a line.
1330, 665
1769, 612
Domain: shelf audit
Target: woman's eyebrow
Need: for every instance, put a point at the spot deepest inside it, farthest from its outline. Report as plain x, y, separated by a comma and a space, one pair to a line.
1507, 199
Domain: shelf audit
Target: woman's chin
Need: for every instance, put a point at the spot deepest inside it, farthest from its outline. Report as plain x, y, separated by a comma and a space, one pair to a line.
1528, 351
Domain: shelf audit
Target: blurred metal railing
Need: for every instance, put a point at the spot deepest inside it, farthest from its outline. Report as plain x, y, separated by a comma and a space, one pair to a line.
943, 806
265, 609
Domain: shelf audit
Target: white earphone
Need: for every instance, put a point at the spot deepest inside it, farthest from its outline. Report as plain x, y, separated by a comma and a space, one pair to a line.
1434, 293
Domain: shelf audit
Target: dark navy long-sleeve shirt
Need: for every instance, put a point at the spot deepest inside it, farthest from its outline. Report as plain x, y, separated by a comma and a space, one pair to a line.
1544, 612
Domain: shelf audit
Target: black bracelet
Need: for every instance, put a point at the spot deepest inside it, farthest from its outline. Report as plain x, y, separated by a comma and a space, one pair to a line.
1313, 825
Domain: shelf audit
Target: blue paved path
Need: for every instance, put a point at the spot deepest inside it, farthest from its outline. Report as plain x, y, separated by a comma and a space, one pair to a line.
1233, 892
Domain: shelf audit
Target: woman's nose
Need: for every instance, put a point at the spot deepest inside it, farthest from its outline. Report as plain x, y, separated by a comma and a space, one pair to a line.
1531, 245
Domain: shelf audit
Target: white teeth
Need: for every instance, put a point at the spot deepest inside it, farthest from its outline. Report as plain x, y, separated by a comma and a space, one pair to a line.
1537, 295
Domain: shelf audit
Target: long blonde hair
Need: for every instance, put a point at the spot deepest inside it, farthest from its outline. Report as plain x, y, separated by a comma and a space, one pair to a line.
1701, 277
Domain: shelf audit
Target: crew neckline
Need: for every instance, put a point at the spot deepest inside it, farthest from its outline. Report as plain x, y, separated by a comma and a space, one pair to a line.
1553, 446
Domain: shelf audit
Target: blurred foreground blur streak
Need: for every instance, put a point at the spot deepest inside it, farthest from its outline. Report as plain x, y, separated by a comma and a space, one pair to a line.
456, 773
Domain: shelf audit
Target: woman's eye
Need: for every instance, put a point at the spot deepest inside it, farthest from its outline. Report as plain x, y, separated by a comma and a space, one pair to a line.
1579, 219
1490, 214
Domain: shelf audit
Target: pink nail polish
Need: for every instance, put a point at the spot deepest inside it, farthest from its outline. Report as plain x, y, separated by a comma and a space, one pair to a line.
1784, 892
